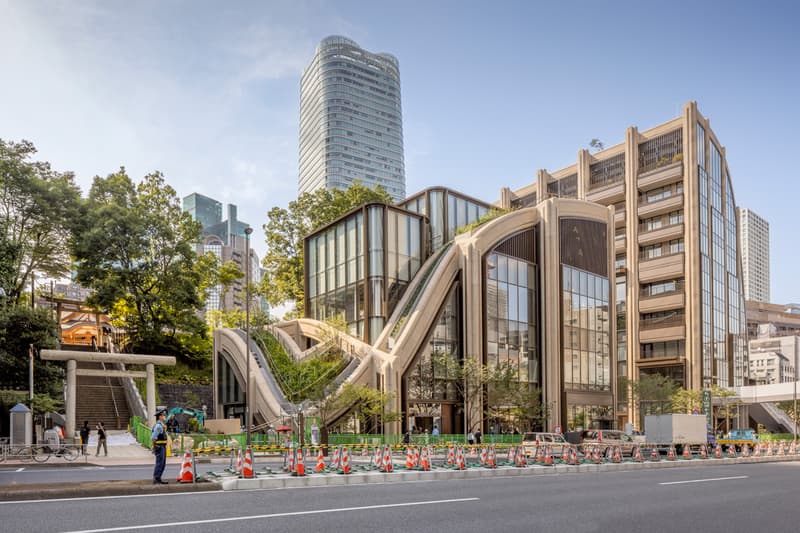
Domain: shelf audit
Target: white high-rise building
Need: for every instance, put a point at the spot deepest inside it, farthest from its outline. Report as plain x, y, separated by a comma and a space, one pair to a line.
754, 237
351, 126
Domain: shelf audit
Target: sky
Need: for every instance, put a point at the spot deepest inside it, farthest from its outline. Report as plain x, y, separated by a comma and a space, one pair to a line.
209, 92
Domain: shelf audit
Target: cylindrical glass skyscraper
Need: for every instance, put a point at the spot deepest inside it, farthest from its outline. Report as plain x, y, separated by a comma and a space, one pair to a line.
351, 126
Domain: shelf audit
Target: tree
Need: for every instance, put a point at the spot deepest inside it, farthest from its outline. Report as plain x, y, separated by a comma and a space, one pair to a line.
596, 145
286, 228
468, 377
222, 277
652, 393
37, 207
365, 404
515, 402
135, 248
21, 327
687, 401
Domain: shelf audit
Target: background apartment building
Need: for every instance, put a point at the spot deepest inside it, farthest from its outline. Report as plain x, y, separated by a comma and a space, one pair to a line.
351, 125
754, 239
679, 293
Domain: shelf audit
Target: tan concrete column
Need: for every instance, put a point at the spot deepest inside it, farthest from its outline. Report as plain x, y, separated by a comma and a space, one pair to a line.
584, 171
151, 394
72, 384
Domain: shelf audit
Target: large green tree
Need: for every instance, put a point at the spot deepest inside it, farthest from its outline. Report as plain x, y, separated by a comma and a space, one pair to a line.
21, 327
136, 250
286, 228
37, 207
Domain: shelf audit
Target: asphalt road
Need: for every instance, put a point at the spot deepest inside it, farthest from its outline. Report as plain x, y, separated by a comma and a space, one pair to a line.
726, 499
22, 474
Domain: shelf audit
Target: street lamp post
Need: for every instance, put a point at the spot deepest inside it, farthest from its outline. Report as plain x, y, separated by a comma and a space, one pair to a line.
247, 413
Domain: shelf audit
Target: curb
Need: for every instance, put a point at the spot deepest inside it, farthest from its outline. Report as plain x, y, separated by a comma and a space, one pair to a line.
97, 488
284, 481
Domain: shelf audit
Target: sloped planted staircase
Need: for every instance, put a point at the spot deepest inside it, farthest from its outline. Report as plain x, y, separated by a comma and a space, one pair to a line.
101, 399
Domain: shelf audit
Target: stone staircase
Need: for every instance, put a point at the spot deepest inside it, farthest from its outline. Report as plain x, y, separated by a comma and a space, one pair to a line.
100, 398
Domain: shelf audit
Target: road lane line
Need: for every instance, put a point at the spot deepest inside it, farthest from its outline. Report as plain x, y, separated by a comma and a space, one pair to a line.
20, 469
703, 480
274, 515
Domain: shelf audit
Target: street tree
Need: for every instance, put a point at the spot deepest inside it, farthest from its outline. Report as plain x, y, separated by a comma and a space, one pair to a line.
652, 393
135, 248
687, 401
286, 228
37, 208
514, 402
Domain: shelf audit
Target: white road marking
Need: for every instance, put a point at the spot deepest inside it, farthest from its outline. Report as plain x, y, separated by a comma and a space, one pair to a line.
703, 480
274, 515
20, 469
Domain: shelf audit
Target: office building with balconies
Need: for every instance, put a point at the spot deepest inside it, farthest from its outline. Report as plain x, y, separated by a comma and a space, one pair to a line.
351, 124
680, 308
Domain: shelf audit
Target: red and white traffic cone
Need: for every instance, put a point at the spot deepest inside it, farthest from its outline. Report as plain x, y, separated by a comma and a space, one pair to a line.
671, 454
687, 451
718, 452
491, 457
299, 468
187, 469
320, 462
654, 455
617, 457
247, 469
732, 451
386, 465
425, 462
703, 452
345, 467
336, 458
637, 455
239, 462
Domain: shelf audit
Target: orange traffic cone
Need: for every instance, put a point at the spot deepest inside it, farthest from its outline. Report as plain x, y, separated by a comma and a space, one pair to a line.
247, 469
757, 450
703, 452
187, 469
548, 456
491, 457
386, 466
377, 459
512, 455
718, 452
320, 462
596, 457
654, 455
565, 455
336, 459
521, 461
415, 451
290, 463
745, 450
617, 457
424, 462
460, 464
671, 453
299, 467
637, 455
364, 452
732, 451
345, 468
239, 462
687, 451
539, 455
483, 456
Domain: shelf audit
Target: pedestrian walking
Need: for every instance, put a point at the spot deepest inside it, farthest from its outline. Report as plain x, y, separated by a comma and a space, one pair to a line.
85, 431
478, 436
101, 439
159, 440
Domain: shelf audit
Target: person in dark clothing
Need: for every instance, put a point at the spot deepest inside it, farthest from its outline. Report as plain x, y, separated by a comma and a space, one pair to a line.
101, 439
85, 431
159, 440
478, 436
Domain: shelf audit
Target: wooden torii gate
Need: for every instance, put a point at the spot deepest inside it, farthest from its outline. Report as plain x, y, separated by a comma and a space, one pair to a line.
72, 358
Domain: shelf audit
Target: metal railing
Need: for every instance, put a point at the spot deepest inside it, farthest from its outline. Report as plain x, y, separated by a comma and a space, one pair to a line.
679, 288
676, 319
646, 200
661, 151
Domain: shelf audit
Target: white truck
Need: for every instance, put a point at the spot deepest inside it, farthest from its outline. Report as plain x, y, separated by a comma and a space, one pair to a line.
677, 430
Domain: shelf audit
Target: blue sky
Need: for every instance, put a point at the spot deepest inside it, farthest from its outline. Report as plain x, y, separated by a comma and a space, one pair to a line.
208, 92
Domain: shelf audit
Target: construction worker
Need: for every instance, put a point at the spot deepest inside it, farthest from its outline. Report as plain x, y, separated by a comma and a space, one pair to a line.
159, 440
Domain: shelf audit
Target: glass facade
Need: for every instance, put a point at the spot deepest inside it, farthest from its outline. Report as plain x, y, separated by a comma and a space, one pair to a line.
339, 283
432, 395
511, 322
586, 329
724, 343
447, 211
351, 126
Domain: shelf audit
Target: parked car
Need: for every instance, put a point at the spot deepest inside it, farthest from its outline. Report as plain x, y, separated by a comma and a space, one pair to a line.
606, 438
554, 440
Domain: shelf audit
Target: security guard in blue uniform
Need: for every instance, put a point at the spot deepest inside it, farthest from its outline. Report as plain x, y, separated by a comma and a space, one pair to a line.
159, 440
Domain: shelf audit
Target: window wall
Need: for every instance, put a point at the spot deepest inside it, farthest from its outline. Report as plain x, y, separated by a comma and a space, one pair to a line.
586, 330
363, 280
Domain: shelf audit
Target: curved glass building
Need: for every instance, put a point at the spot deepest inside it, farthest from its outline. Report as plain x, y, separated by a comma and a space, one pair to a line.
351, 126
